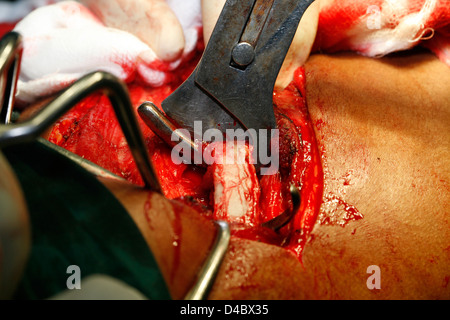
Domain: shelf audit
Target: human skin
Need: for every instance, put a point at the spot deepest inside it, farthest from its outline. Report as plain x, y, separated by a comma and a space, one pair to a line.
382, 126
386, 123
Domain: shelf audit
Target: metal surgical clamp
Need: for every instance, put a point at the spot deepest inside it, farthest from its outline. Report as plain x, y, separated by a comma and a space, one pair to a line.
116, 91
29, 130
232, 86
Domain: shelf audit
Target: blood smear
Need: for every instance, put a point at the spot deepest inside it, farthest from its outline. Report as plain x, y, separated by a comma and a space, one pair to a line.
336, 211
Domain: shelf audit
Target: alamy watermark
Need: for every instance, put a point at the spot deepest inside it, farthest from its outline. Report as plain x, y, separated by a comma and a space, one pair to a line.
374, 281
74, 280
228, 147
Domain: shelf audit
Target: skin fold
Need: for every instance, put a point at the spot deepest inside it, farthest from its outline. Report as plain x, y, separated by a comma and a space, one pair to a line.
382, 127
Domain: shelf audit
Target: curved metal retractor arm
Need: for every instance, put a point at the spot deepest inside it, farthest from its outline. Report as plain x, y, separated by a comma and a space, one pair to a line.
117, 93
11, 50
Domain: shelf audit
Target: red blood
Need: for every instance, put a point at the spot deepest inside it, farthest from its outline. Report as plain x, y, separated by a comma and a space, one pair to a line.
306, 168
5, 28
341, 20
337, 20
92, 131
273, 195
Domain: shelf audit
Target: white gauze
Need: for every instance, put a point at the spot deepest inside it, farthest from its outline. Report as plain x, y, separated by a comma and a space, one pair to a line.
64, 41
375, 35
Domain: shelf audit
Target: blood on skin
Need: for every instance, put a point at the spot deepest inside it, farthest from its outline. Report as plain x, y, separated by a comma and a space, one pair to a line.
92, 131
236, 185
177, 239
338, 211
306, 172
91, 126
